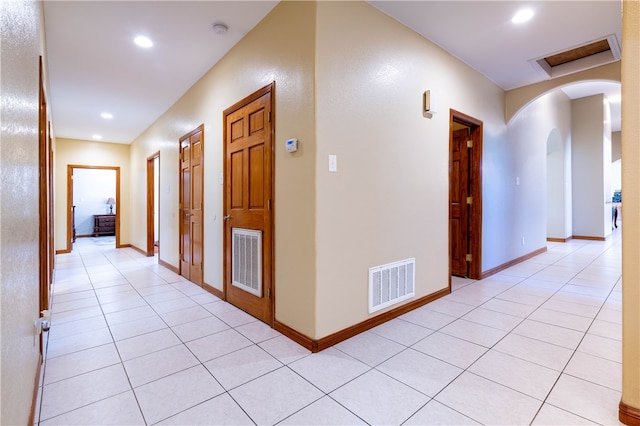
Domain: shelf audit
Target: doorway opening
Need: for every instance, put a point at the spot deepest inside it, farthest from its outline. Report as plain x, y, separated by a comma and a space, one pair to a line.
465, 195
93, 196
153, 202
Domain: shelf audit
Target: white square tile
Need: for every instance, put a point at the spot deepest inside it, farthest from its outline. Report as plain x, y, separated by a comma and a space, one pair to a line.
458, 352
76, 363
76, 314
127, 315
161, 296
78, 342
371, 395
199, 328
70, 328
325, 412
70, 305
171, 395
493, 319
573, 322
136, 328
428, 318
70, 394
606, 329
602, 347
215, 345
536, 351
549, 333
571, 308
595, 369
594, 402
173, 305
448, 307
185, 315
422, 372
124, 304
121, 409
473, 332
515, 373
241, 366
221, 410
146, 344
435, 413
550, 415
257, 331
369, 348
275, 396
284, 349
400, 331
488, 402
329, 369
204, 298
159, 364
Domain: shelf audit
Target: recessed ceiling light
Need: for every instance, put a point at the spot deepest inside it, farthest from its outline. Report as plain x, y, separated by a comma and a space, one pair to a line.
143, 41
97, 136
106, 115
522, 16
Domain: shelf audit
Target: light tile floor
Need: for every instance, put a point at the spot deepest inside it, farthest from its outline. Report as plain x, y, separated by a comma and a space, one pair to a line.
133, 343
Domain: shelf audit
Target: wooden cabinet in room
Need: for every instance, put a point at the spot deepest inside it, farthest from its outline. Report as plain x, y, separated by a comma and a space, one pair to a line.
104, 224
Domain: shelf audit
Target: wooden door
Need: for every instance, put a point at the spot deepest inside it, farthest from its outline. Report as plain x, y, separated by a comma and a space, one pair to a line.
191, 206
458, 207
248, 204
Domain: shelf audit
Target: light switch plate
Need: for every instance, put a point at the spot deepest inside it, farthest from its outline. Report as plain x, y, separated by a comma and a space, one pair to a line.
333, 163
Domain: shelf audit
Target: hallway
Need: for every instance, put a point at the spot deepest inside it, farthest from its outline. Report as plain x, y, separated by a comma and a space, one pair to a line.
133, 343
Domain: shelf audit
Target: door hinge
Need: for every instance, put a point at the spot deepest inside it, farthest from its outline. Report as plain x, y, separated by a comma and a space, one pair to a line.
269, 116
268, 293
269, 204
469, 143
469, 258
469, 200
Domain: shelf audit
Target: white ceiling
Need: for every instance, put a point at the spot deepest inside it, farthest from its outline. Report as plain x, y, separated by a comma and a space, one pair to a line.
94, 66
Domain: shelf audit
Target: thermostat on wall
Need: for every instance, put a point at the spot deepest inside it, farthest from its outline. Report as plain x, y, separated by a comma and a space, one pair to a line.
292, 145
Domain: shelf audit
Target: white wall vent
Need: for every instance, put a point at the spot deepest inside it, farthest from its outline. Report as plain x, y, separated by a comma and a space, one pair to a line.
391, 283
247, 260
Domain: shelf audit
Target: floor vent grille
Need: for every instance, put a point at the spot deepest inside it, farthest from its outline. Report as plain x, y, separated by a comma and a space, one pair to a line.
391, 283
247, 260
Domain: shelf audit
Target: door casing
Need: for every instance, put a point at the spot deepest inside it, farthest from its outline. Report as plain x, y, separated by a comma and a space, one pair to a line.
475, 190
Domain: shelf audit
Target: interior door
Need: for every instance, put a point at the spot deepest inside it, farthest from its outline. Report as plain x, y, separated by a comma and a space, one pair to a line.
191, 206
458, 207
248, 203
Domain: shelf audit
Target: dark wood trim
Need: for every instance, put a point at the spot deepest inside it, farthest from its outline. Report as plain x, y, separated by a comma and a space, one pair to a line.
583, 237
70, 168
211, 289
510, 263
558, 240
36, 389
332, 339
168, 266
151, 203
62, 251
138, 249
475, 187
628, 415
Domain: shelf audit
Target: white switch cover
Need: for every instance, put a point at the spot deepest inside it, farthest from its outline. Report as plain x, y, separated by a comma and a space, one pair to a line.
518, 181
333, 163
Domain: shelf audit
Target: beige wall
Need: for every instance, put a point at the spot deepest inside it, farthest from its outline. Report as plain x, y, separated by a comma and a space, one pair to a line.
88, 153
280, 49
22, 41
631, 198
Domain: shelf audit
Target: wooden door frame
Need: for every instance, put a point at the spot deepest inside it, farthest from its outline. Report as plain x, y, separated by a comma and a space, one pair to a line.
268, 269
475, 187
70, 168
151, 204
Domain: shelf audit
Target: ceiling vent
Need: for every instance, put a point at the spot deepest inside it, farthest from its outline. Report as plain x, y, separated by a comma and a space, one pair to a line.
579, 58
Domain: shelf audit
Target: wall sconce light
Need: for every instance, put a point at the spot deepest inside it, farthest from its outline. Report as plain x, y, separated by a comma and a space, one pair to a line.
111, 201
428, 104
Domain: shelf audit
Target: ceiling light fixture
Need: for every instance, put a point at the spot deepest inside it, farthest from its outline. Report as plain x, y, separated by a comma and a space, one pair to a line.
522, 16
220, 29
143, 41
106, 115
97, 137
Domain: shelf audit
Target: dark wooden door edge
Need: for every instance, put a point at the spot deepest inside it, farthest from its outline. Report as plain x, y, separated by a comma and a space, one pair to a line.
36, 389
335, 338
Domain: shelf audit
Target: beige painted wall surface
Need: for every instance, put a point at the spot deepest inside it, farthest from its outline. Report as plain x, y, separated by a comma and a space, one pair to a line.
388, 199
89, 153
22, 38
279, 49
631, 191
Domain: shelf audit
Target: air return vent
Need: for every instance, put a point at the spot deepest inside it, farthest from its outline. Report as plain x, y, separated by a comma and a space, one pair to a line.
391, 283
247, 260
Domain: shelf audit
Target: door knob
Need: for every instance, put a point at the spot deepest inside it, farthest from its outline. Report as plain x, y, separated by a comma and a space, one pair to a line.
227, 217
